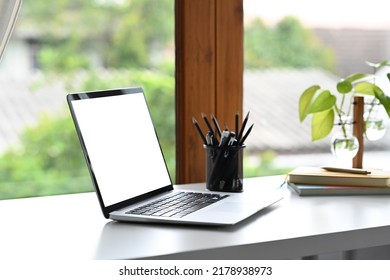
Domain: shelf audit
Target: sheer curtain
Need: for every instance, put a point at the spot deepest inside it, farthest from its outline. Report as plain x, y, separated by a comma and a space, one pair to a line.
9, 10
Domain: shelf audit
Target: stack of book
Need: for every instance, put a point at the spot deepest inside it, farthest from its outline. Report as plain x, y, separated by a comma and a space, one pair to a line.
321, 181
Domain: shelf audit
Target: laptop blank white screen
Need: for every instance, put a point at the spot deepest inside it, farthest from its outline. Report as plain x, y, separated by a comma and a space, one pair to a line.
122, 146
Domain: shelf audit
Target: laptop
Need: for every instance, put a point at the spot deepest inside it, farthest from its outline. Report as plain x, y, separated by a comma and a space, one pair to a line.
129, 172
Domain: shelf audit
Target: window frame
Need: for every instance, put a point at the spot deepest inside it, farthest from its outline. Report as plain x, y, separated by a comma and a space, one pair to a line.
209, 75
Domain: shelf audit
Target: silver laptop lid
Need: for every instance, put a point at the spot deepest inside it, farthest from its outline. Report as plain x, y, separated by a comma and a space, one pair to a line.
120, 145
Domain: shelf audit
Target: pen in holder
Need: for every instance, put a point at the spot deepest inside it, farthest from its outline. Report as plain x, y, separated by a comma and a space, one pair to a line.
224, 154
224, 169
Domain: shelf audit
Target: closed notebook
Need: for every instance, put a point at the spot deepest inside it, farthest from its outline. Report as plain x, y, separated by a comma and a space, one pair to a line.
311, 190
319, 176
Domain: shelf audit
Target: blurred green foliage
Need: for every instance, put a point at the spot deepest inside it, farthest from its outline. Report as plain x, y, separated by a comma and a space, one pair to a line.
47, 161
287, 44
78, 34
262, 164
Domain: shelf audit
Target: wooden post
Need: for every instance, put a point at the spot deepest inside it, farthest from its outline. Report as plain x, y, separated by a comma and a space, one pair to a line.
209, 75
358, 130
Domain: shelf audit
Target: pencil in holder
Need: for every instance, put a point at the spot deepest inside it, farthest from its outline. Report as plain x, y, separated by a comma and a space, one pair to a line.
224, 168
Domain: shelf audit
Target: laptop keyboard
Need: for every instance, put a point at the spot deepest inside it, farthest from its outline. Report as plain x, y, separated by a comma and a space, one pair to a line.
177, 205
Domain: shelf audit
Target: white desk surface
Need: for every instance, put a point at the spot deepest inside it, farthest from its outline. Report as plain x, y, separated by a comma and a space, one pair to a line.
72, 227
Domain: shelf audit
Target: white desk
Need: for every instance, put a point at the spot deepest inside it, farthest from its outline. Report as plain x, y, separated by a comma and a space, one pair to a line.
72, 227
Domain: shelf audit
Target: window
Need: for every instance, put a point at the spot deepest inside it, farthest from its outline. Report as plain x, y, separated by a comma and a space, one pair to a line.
291, 45
68, 46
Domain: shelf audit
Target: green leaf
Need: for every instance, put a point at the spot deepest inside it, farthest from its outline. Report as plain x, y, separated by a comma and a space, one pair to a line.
355, 77
377, 65
384, 100
323, 102
367, 88
305, 101
344, 86
322, 124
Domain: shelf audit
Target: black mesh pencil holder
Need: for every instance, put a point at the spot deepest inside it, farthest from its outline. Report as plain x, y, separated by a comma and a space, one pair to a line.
224, 168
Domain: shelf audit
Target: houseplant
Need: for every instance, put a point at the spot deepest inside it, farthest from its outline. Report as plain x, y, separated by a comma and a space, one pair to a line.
330, 110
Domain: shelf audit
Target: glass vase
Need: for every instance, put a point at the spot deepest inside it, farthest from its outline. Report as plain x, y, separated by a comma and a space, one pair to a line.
344, 144
375, 121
